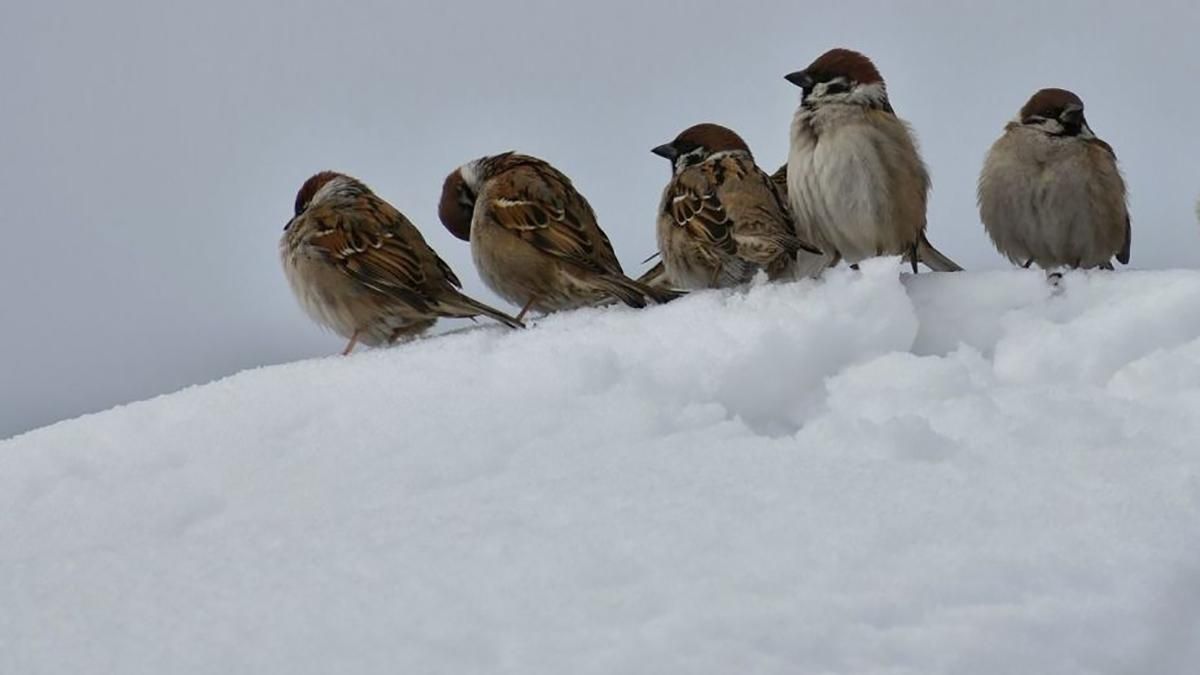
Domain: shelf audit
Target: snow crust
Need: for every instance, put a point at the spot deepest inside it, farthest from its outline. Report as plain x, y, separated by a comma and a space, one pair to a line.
871, 473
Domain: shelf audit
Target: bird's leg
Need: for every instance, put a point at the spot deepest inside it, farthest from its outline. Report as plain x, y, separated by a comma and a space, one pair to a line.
1027, 263
350, 345
525, 309
914, 258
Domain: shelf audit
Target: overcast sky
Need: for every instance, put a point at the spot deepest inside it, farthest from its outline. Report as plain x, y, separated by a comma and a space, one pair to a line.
151, 150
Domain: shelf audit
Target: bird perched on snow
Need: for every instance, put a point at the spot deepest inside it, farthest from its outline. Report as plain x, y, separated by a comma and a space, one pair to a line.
359, 267
856, 183
1050, 192
721, 219
534, 238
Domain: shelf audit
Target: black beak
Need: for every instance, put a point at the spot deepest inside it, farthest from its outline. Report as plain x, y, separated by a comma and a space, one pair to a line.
666, 151
287, 225
800, 78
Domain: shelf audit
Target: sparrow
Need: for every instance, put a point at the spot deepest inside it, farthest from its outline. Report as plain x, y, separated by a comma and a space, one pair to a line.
360, 268
1050, 192
721, 219
856, 183
534, 238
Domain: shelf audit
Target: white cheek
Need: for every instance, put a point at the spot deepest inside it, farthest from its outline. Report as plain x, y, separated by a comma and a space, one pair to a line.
1052, 127
470, 175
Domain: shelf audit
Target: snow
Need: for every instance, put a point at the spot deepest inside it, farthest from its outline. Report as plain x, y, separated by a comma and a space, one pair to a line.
871, 473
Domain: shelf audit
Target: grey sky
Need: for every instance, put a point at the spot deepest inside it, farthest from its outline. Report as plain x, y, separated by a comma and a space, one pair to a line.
151, 151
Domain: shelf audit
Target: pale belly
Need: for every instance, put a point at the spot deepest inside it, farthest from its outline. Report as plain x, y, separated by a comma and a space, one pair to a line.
346, 307
843, 190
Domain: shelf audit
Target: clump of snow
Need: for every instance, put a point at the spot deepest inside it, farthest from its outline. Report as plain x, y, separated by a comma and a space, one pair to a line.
871, 473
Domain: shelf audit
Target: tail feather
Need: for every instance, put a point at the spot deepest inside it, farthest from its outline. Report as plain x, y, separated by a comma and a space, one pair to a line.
933, 258
663, 295
810, 266
795, 244
656, 276
622, 290
466, 307
634, 293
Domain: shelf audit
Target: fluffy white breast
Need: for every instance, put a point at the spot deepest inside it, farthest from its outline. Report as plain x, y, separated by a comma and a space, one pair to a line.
838, 181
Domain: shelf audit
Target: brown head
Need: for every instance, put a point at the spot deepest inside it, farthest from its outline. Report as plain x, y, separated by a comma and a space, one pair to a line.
325, 186
457, 205
310, 188
1057, 112
697, 143
841, 76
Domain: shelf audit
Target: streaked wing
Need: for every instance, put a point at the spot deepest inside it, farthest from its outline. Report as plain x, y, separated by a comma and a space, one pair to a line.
701, 213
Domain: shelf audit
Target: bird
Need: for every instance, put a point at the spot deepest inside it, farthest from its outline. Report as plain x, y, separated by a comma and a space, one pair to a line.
856, 183
362, 269
534, 238
721, 219
1050, 192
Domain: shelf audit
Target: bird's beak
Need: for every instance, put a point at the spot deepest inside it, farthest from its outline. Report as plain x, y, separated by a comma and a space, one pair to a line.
666, 151
800, 78
288, 224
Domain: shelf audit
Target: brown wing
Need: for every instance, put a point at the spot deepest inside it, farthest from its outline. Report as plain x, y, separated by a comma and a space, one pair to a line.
540, 205
380, 248
1123, 254
779, 181
695, 206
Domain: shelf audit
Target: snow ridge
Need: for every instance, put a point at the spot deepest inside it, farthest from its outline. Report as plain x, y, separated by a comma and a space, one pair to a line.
871, 473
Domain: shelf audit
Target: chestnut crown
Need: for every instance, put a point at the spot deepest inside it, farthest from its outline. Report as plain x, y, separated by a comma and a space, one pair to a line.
841, 76
1056, 111
310, 189
697, 143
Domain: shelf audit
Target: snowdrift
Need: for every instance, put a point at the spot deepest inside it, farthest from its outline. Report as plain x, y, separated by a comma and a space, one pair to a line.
970, 473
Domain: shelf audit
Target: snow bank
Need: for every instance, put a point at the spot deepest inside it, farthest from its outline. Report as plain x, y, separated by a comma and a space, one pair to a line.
869, 474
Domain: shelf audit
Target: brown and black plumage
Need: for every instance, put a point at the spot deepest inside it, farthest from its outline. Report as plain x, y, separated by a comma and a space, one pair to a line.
534, 237
721, 218
359, 267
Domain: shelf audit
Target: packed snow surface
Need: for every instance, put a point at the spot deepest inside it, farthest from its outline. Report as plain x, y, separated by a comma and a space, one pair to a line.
872, 473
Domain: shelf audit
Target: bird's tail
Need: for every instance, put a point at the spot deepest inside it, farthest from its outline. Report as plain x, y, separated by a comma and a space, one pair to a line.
810, 265
466, 307
656, 277
635, 293
933, 258
795, 244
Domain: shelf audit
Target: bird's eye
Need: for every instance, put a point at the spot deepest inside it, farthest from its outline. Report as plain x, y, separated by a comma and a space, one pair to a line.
837, 87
